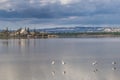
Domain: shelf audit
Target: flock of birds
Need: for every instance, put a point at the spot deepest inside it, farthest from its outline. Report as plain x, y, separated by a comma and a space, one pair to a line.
93, 64
114, 67
63, 63
113, 63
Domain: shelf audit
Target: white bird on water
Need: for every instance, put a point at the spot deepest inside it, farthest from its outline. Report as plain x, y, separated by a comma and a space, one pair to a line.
114, 68
113, 62
53, 73
63, 62
95, 70
64, 72
53, 62
94, 63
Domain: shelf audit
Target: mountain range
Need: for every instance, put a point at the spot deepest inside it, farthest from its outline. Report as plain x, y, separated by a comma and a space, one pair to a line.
71, 29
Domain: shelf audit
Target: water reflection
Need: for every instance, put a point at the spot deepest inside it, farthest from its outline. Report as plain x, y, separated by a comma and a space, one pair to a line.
59, 59
5, 42
18, 42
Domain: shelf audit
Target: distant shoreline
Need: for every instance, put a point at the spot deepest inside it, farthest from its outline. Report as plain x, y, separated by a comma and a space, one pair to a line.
66, 35
26, 33
89, 35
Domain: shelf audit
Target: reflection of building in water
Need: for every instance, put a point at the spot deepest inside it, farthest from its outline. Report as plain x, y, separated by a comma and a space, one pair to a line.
24, 46
23, 42
27, 43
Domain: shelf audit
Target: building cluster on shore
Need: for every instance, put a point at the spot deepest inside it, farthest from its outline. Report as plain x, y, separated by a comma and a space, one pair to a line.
24, 33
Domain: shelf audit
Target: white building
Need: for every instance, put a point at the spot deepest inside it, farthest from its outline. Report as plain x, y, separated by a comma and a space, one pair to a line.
23, 31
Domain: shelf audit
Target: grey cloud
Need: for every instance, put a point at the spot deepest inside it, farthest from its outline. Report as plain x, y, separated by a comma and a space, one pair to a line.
23, 9
46, 11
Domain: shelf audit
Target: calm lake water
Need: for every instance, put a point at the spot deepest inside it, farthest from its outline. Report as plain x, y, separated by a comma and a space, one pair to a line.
60, 59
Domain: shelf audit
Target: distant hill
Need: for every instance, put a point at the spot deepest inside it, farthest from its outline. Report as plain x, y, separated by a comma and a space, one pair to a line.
71, 29
76, 29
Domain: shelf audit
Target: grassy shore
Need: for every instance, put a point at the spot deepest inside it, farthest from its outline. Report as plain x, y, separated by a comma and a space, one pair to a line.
64, 35
88, 34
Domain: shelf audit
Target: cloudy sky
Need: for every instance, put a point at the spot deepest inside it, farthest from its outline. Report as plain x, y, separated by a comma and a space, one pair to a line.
56, 13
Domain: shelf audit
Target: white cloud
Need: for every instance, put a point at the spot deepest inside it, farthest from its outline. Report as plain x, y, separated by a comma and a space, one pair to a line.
2, 1
65, 1
53, 1
71, 11
4, 4
31, 1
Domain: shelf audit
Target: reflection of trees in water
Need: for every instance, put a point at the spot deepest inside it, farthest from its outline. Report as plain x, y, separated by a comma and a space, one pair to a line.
5, 46
21, 42
5, 42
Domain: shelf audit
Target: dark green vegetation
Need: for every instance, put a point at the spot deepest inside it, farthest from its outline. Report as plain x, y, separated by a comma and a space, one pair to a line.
89, 34
26, 33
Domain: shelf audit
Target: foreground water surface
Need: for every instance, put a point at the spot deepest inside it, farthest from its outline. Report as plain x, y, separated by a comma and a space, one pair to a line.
60, 59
